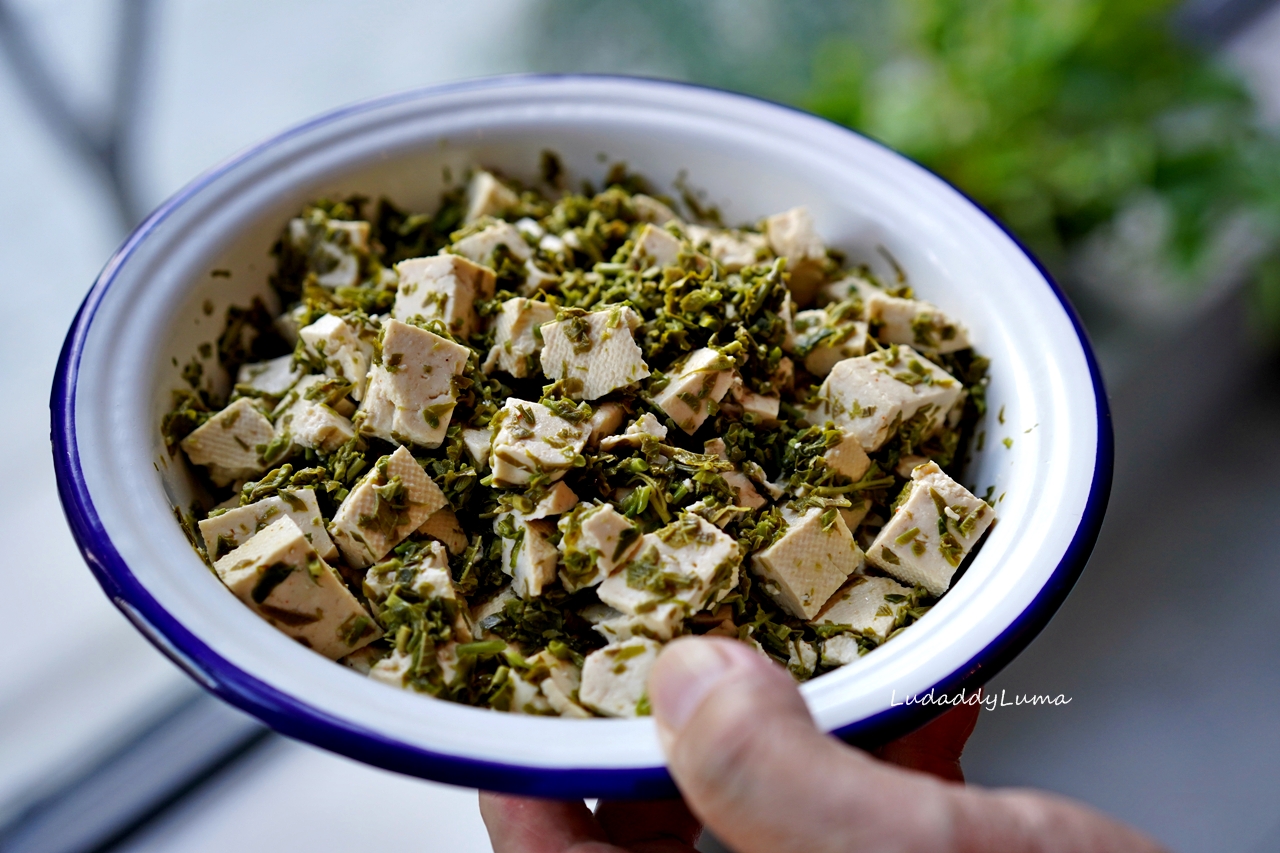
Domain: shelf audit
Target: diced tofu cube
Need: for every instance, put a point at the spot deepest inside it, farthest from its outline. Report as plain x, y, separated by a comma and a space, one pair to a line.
342, 348
870, 395
309, 419
480, 246
658, 246
661, 623
850, 287
808, 562
536, 278
915, 322
529, 438
271, 378
854, 514
487, 196
517, 337
444, 287
732, 249
840, 650
757, 408
649, 209
487, 613
912, 546
230, 443
281, 576
696, 388
862, 605
593, 354
410, 397
559, 681
388, 504
644, 427
792, 236
557, 501
596, 541
802, 658
747, 496
436, 670
442, 525
333, 247
605, 422
528, 556
477, 442
847, 458
615, 678
823, 341
227, 531
687, 563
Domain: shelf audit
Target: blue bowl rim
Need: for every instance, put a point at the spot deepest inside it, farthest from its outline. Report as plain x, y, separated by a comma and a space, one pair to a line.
297, 719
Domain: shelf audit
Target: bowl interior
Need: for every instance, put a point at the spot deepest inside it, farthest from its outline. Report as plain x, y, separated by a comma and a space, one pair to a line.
160, 299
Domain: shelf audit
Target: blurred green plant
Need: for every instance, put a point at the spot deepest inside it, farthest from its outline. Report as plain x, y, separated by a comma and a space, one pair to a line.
1130, 160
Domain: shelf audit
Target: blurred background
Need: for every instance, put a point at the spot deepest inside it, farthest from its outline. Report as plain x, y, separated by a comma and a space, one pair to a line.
1131, 143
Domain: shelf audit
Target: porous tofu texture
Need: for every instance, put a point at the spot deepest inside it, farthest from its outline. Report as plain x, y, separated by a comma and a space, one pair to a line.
915, 322
591, 354
808, 562
334, 247
823, 341
410, 397
271, 378
528, 556
847, 458
388, 504
480, 246
615, 678
442, 525
477, 442
280, 576
227, 531
932, 531
862, 605
645, 427
605, 421
696, 387
487, 196
596, 540
306, 415
530, 439
342, 348
517, 337
444, 287
731, 249
676, 571
426, 578
230, 443
658, 246
868, 396
558, 500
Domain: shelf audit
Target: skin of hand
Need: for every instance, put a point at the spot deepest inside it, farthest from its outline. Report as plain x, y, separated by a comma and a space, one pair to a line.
752, 767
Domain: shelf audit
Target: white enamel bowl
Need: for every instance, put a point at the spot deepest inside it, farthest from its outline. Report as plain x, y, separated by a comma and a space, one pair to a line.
147, 315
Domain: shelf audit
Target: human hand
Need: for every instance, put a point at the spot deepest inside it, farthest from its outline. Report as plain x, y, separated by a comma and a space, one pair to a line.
753, 768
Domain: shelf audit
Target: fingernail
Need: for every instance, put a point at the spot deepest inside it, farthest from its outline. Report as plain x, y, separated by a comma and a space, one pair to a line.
686, 671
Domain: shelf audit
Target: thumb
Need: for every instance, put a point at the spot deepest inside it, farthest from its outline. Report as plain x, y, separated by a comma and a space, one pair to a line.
752, 766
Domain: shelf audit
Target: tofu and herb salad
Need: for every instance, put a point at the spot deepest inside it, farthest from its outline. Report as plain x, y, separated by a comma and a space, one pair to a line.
501, 453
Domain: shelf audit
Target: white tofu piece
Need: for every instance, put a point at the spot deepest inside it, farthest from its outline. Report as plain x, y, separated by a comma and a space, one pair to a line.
477, 442
808, 563
911, 547
529, 559
847, 458
802, 658
824, 342
488, 196
427, 578
915, 322
342, 348
333, 248
485, 614
615, 678
443, 287
761, 408
605, 422
517, 337
593, 354
869, 395
696, 387
442, 525
596, 541
854, 514
558, 681
644, 427
411, 397
840, 650
732, 249
228, 443
526, 696
685, 564
851, 287
861, 604
272, 378
480, 246
530, 438
649, 209
536, 278
661, 623
309, 420
747, 496
288, 323
907, 464
530, 228
658, 246
369, 523
397, 668
363, 660
280, 576
559, 500
227, 531
792, 235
